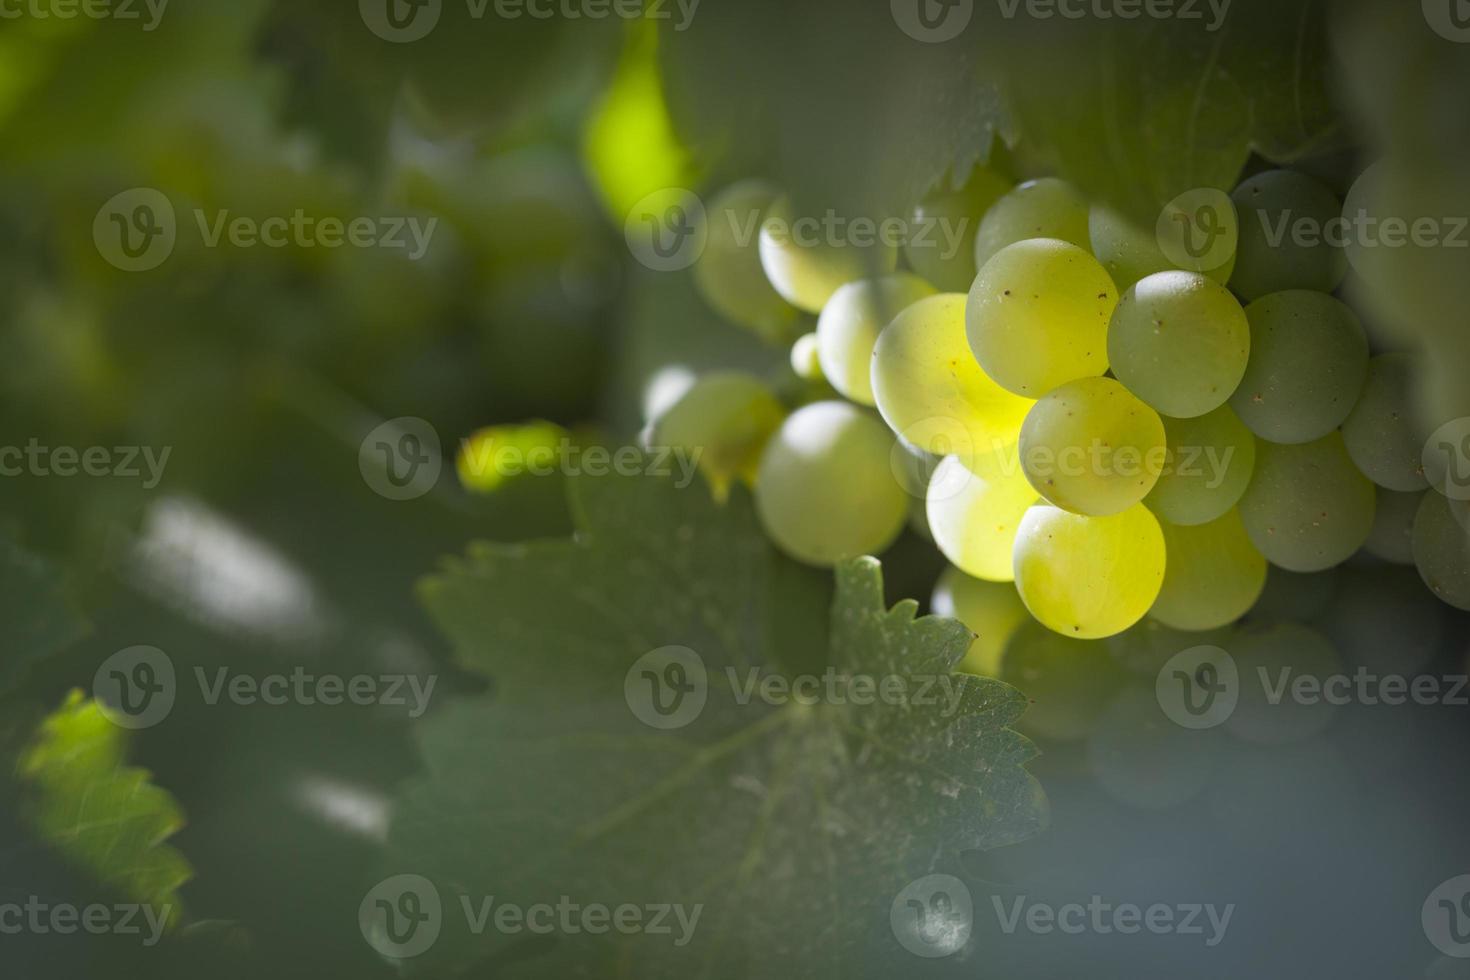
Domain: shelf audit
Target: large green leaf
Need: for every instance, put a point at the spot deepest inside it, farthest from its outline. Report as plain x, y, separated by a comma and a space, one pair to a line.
794, 827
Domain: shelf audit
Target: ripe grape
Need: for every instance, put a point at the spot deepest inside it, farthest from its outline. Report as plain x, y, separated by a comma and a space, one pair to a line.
974, 519
1092, 448
1442, 548
1089, 577
1131, 253
1284, 217
1038, 316
1309, 359
1392, 537
729, 275
1213, 577
1209, 464
1307, 508
824, 491
942, 246
804, 358
1046, 208
1381, 433
991, 610
1067, 681
1180, 342
1269, 661
931, 392
849, 327
725, 418
806, 264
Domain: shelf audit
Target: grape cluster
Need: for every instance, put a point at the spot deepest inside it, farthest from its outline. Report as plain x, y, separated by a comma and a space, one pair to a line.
1094, 422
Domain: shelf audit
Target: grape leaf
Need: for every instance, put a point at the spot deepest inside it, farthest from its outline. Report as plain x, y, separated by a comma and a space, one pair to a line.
104, 816
793, 827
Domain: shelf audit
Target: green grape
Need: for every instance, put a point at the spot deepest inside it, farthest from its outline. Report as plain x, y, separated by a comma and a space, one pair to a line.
491, 456
1067, 681
974, 519
1295, 597
1213, 577
1209, 464
1038, 316
807, 265
1380, 433
1089, 577
1142, 759
991, 610
1270, 660
724, 419
1309, 359
1131, 253
849, 327
1392, 537
1284, 219
931, 392
1307, 508
1092, 448
805, 359
1046, 208
941, 247
1385, 620
729, 275
823, 491
1442, 548
1180, 342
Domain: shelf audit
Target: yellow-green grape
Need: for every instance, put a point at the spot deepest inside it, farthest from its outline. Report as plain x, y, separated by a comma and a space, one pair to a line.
1270, 662
931, 392
1392, 537
974, 519
1213, 577
805, 360
990, 610
1038, 316
1092, 448
1142, 759
1179, 341
1130, 252
725, 418
1284, 236
824, 491
729, 275
849, 327
1307, 508
807, 265
1309, 359
1046, 208
1381, 433
491, 456
1442, 548
1208, 466
1068, 681
1089, 577
941, 245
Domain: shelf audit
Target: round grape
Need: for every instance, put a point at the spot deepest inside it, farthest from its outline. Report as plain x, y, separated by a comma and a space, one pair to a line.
729, 275
1284, 236
1046, 208
991, 610
725, 419
805, 267
1213, 577
1381, 432
849, 327
804, 358
1067, 681
1131, 253
1392, 537
1209, 464
945, 223
1307, 508
974, 519
1442, 548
